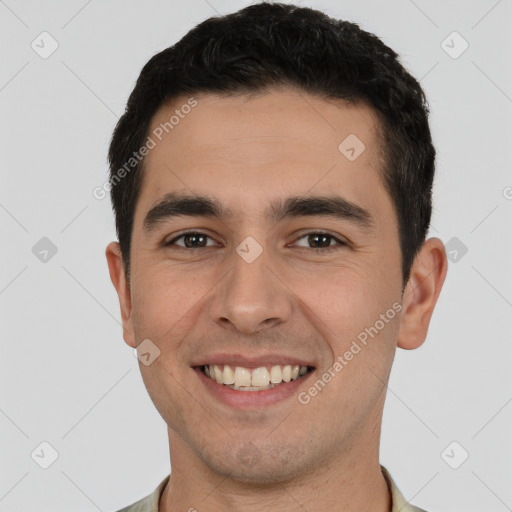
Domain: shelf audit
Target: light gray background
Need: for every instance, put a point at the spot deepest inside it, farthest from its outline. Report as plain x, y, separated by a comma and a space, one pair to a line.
67, 376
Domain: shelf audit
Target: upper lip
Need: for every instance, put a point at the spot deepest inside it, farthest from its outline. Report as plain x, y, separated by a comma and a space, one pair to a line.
250, 362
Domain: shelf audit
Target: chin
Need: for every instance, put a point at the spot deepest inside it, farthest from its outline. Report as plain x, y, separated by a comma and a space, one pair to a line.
253, 464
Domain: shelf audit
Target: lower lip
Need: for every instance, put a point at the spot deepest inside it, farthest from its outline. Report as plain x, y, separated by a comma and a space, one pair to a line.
251, 399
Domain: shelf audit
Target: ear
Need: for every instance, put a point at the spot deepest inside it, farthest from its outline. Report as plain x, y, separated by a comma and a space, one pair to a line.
426, 279
118, 278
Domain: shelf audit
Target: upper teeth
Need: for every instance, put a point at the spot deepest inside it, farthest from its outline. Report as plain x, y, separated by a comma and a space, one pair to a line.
261, 377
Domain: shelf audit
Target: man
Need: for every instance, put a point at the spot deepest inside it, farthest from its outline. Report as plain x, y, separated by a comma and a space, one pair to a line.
271, 180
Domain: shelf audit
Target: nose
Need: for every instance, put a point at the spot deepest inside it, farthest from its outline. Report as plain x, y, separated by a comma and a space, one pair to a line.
252, 297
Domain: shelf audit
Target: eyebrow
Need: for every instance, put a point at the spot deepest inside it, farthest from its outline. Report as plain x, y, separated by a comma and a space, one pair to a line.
182, 205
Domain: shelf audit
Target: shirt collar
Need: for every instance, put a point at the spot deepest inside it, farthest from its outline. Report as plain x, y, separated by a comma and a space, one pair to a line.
398, 502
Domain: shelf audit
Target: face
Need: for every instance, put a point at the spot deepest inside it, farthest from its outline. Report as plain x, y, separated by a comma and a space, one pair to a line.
254, 279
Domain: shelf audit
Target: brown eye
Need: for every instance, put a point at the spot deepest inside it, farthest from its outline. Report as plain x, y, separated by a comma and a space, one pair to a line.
321, 241
191, 240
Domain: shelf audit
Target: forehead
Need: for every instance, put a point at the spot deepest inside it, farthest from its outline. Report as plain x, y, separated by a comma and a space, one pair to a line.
254, 146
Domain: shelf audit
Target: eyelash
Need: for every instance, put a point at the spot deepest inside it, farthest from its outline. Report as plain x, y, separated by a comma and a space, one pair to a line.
338, 246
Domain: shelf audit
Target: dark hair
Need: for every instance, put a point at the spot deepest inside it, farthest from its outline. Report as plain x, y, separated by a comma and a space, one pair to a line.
273, 44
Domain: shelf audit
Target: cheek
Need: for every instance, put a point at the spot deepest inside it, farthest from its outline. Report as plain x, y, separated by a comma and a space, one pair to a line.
164, 297
349, 304
167, 389
163, 311
167, 306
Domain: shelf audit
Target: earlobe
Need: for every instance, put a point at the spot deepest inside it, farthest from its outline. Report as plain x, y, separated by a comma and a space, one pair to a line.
118, 277
426, 279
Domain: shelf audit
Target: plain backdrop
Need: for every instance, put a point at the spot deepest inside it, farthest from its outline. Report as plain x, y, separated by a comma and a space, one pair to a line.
67, 378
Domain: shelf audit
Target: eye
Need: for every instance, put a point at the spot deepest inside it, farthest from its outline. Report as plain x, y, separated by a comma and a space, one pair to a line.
191, 239
322, 241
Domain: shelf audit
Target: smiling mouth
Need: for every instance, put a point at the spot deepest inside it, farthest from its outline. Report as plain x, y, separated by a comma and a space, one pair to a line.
240, 378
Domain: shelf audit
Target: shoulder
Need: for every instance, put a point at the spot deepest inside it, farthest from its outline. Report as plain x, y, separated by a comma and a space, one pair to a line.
398, 502
149, 503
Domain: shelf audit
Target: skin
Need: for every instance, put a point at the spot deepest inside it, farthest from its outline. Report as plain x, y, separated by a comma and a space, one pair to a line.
247, 151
